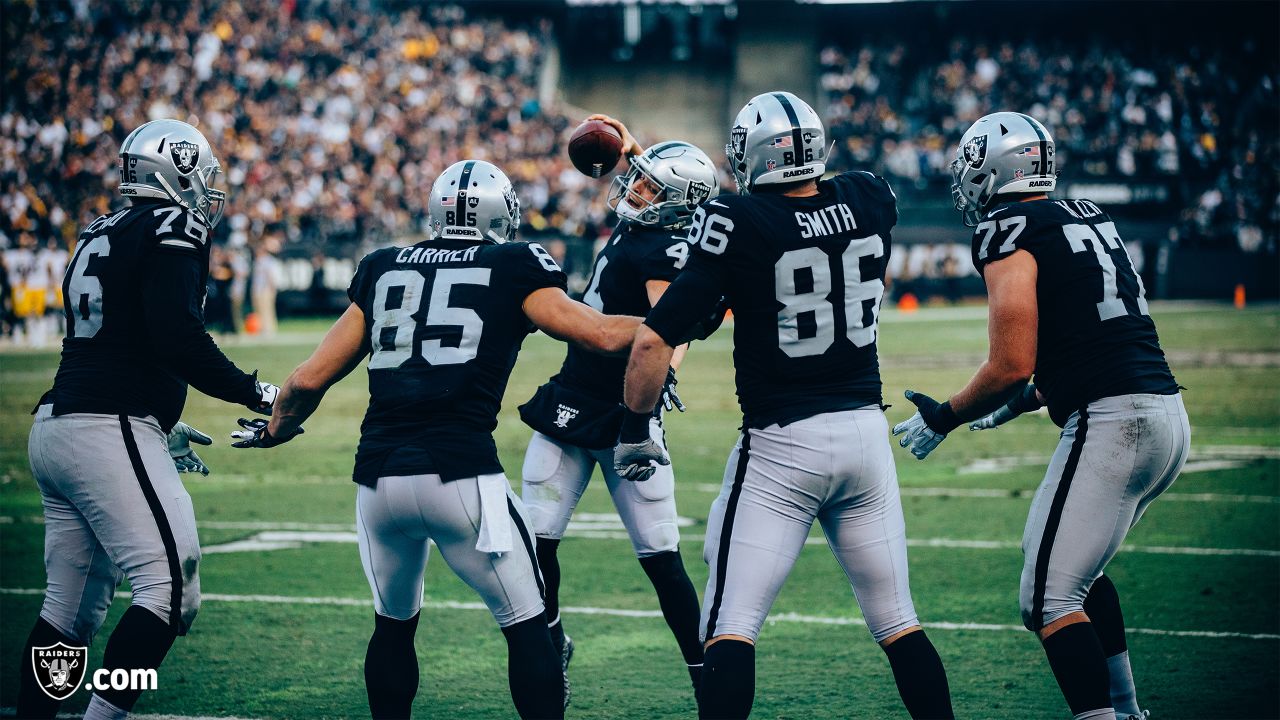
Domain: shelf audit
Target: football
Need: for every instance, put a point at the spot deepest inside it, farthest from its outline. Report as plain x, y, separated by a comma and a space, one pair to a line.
594, 148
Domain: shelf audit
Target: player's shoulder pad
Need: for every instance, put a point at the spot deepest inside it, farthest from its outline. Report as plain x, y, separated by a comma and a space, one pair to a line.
645, 236
526, 253
869, 182
173, 227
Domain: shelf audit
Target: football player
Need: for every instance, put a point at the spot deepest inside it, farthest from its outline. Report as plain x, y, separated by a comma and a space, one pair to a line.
441, 323
1066, 306
576, 415
114, 506
801, 262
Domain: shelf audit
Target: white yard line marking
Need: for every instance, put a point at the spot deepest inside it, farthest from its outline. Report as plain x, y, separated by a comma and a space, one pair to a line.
656, 614
293, 539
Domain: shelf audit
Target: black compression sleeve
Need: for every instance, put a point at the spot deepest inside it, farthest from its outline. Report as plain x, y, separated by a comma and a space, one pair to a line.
691, 298
175, 329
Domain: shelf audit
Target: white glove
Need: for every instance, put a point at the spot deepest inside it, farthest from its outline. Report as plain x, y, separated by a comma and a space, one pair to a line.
184, 458
638, 462
917, 436
267, 394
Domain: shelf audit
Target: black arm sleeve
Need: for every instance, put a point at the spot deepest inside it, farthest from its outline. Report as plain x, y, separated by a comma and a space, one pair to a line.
172, 294
681, 311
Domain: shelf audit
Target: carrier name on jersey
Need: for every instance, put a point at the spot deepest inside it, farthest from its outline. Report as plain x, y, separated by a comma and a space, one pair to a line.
436, 255
830, 220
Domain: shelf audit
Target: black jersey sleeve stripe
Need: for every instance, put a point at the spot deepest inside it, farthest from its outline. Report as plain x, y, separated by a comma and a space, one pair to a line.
797, 140
1052, 522
1044, 145
528, 546
726, 534
162, 524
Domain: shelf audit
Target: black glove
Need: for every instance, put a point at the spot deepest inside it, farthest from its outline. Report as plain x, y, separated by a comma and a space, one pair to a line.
255, 435
670, 399
938, 416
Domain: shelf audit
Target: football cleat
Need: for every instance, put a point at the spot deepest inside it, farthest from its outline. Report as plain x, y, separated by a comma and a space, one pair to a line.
566, 654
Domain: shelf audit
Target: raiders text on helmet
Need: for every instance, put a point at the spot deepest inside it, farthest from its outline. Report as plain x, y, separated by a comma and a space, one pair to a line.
1002, 153
776, 138
171, 160
473, 200
664, 185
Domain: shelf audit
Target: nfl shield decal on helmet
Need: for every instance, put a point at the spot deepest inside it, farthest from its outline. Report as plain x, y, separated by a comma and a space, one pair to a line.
59, 668
975, 152
185, 156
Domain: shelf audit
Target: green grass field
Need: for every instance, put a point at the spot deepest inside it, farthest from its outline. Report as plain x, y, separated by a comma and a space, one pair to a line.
282, 632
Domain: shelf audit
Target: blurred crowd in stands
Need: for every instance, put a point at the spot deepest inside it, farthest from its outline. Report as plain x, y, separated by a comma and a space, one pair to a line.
1200, 122
331, 118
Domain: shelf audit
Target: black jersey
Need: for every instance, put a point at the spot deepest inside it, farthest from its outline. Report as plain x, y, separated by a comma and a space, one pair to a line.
133, 297
634, 255
446, 321
1096, 337
804, 277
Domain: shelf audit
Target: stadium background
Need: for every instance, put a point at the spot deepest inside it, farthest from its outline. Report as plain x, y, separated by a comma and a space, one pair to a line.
332, 118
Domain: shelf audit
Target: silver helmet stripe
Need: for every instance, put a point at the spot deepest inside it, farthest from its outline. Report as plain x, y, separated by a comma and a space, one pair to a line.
464, 182
798, 151
1044, 144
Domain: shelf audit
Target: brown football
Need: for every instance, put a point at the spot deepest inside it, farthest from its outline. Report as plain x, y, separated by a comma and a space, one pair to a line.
595, 148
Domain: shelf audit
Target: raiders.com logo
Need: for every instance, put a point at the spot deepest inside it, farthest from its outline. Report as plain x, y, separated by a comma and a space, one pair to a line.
185, 156
59, 668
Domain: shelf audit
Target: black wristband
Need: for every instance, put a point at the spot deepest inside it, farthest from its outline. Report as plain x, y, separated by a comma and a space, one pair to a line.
945, 420
635, 427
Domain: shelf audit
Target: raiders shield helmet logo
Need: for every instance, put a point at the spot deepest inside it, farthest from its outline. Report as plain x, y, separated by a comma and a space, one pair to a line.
738, 143
59, 668
185, 156
697, 192
975, 152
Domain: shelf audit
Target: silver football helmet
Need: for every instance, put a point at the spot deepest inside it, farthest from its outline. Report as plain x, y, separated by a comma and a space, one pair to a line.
776, 138
473, 200
1004, 152
171, 160
664, 185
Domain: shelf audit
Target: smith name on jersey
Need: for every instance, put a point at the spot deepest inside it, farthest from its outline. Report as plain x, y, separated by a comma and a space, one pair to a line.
1096, 337
134, 306
446, 321
804, 277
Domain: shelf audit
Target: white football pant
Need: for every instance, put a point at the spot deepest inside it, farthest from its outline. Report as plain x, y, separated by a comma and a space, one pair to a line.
114, 507
1113, 458
556, 475
834, 467
397, 521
